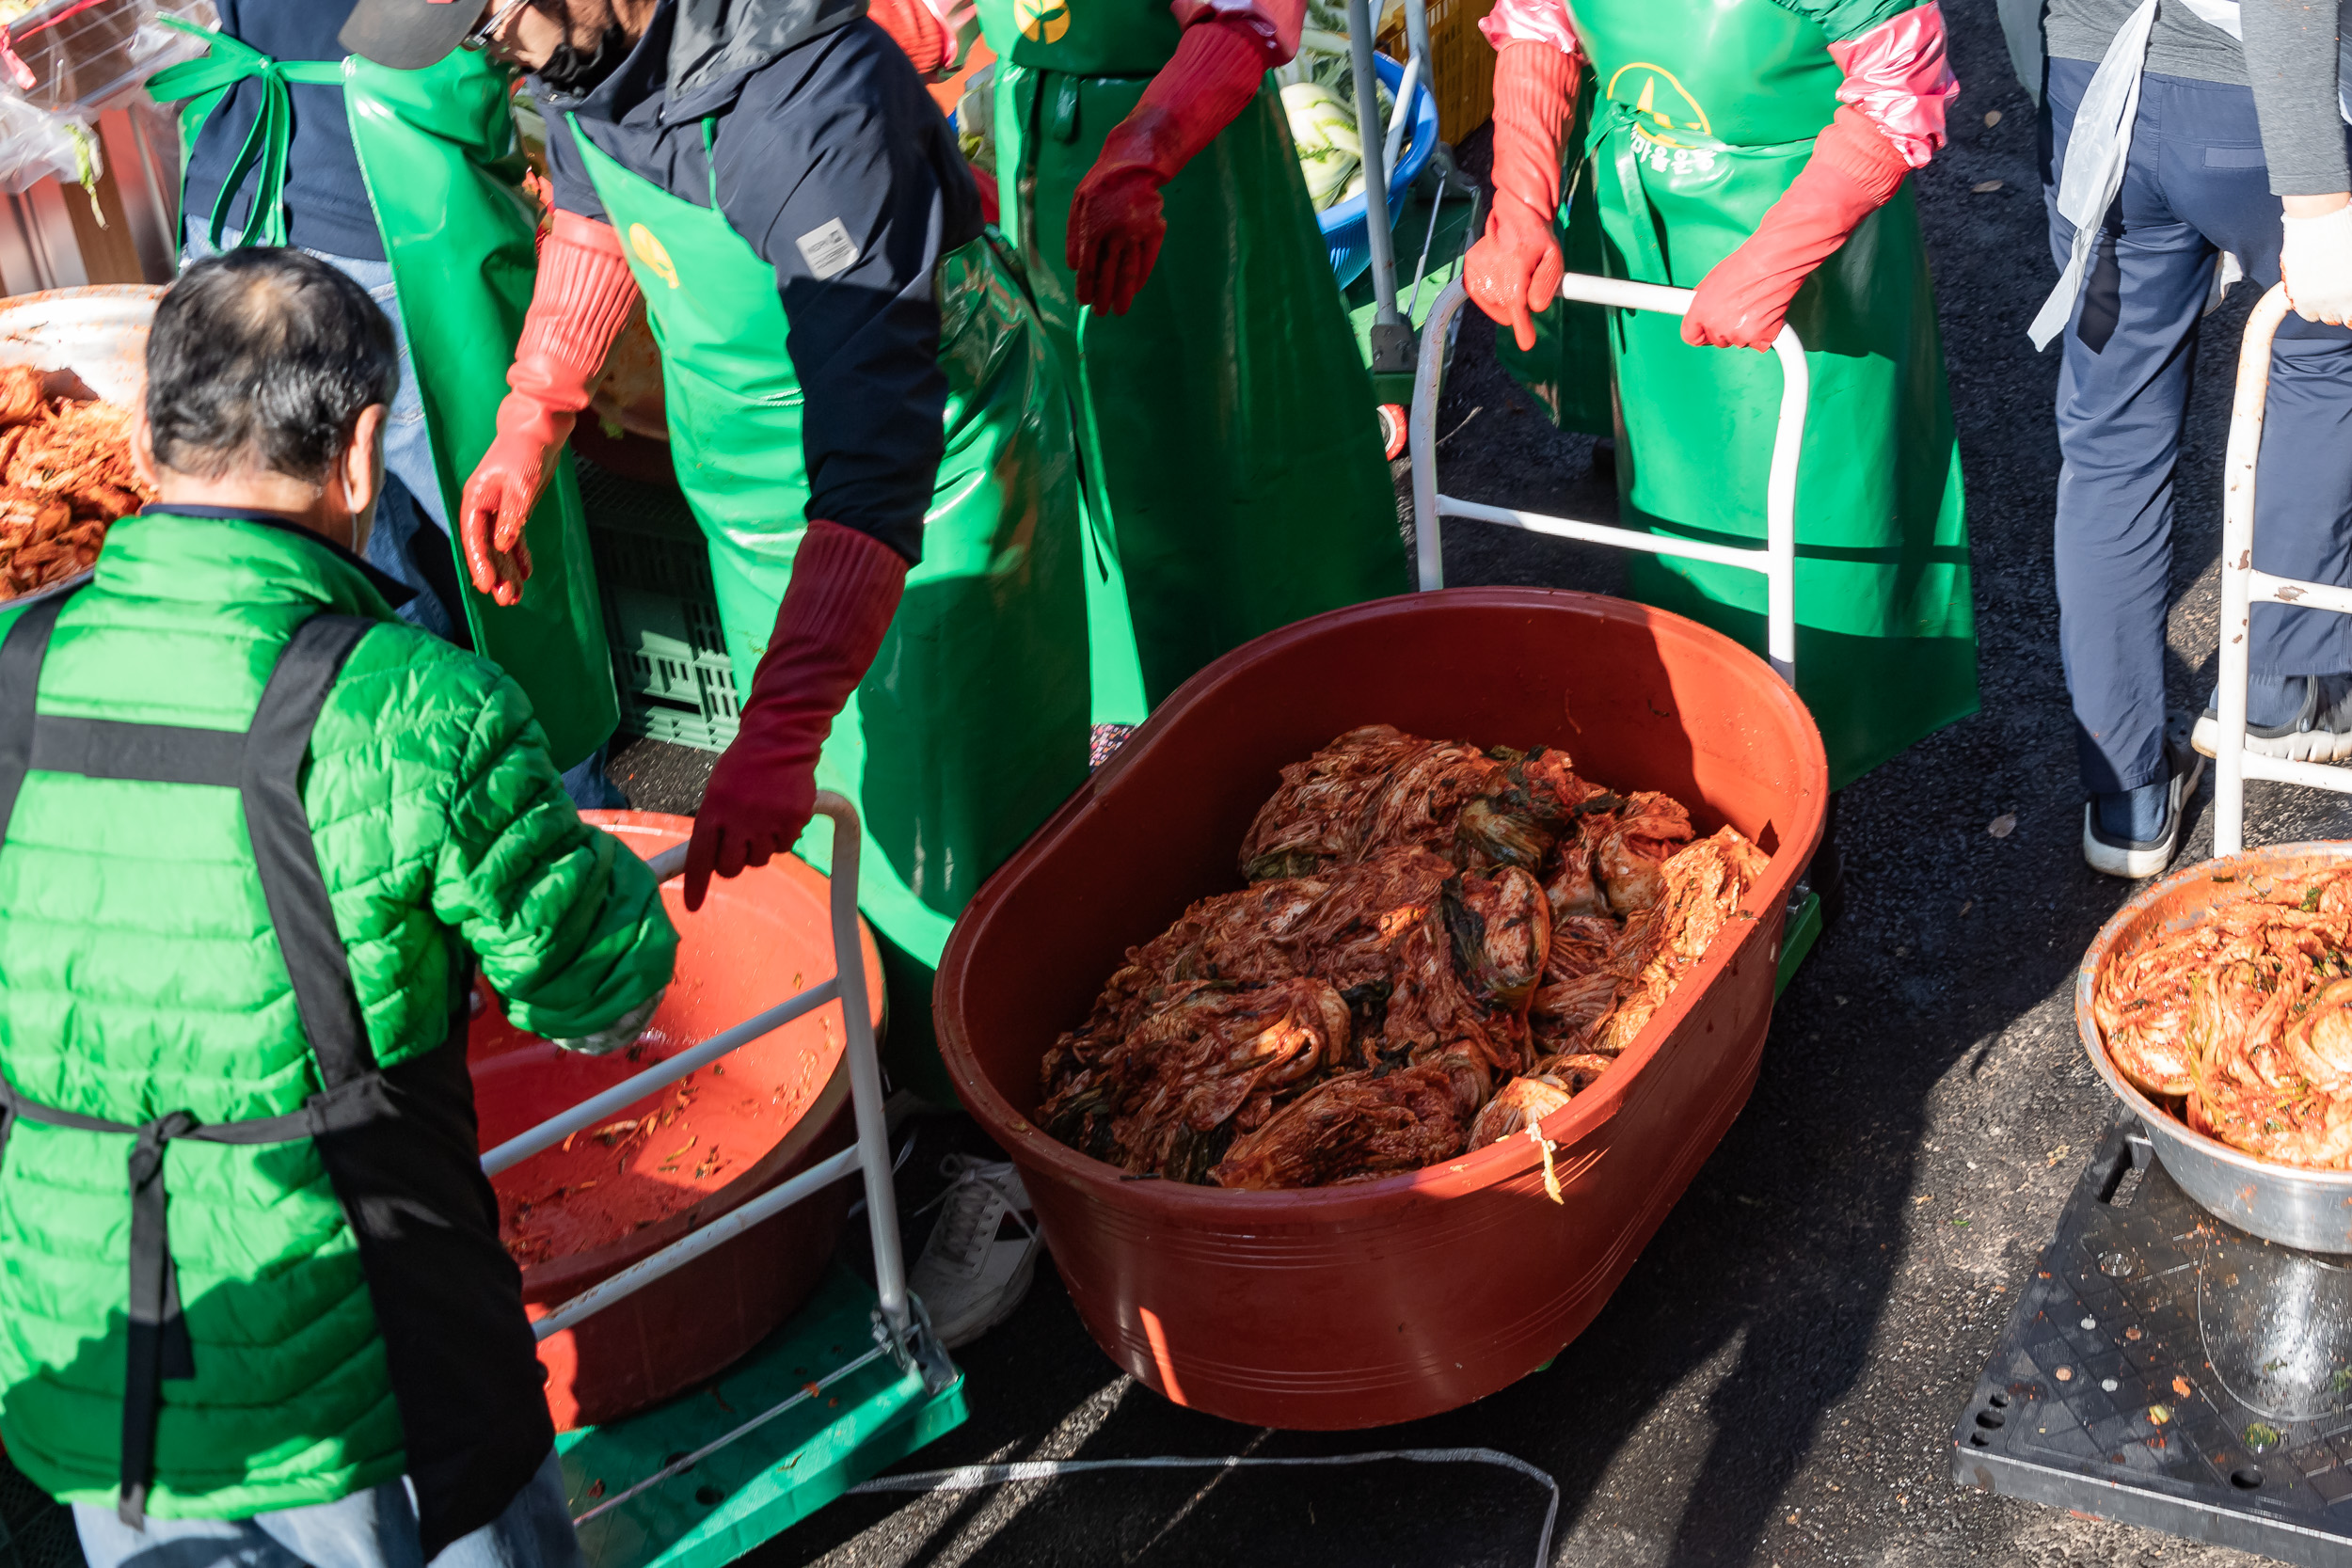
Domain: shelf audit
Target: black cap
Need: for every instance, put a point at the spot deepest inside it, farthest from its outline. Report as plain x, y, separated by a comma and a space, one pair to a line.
409, 35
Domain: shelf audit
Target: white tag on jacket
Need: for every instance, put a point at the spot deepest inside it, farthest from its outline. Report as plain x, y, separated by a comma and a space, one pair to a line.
827, 249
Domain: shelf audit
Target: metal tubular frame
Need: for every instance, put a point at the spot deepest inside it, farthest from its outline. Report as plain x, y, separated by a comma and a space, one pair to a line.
2242, 587
1776, 560
1375, 171
869, 1155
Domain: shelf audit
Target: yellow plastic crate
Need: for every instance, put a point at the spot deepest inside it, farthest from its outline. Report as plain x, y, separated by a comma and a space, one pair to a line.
1461, 66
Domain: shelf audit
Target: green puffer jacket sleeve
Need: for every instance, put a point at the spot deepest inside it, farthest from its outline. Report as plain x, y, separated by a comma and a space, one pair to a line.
568, 924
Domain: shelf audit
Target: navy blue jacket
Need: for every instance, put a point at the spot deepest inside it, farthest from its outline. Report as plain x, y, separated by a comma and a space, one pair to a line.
327, 202
816, 117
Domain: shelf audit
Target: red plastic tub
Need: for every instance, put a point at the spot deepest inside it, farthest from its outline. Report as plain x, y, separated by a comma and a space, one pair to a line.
1360, 1306
728, 1134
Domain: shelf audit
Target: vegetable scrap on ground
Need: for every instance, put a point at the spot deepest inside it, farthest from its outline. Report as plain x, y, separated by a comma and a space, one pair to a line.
1439, 945
65, 477
2241, 1024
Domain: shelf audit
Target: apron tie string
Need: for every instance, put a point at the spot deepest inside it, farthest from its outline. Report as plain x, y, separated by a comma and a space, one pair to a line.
158, 1334
204, 83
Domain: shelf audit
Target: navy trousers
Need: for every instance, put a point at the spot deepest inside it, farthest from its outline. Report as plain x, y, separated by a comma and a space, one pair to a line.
2196, 185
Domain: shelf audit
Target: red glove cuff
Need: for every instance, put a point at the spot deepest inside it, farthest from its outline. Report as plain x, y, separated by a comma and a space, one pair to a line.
1858, 150
578, 304
915, 29
845, 588
1535, 86
1217, 69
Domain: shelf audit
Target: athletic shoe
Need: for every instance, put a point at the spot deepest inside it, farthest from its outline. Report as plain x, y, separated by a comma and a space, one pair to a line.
2120, 855
982, 1251
2321, 730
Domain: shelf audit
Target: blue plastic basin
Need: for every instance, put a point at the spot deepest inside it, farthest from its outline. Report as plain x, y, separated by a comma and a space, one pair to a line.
1345, 229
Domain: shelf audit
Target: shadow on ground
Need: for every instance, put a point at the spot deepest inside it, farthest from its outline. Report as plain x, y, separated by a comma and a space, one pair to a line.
1776, 1381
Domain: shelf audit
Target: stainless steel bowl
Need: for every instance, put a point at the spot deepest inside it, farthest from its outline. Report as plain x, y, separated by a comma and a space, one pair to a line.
99, 333
2297, 1208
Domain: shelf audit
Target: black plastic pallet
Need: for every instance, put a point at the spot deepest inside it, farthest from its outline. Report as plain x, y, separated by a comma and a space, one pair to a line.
34, 1531
2167, 1369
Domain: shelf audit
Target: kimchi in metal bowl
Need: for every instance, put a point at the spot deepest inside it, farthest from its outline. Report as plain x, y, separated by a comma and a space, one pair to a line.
2293, 1205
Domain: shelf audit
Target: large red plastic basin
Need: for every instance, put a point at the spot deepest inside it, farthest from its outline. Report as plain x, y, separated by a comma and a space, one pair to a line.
770, 1108
1366, 1305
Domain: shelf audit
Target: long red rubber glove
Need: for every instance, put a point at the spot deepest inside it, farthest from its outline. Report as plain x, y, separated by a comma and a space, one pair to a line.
1853, 171
844, 589
915, 30
581, 300
1116, 222
1514, 269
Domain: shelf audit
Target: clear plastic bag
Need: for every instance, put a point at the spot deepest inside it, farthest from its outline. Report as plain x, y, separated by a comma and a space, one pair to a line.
975, 117
74, 57
36, 146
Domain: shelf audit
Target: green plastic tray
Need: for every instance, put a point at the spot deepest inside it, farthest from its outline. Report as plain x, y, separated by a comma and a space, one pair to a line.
669, 652
1796, 942
769, 1474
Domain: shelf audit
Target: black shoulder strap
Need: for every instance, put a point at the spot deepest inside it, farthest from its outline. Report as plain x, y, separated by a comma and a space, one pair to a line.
285, 855
20, 656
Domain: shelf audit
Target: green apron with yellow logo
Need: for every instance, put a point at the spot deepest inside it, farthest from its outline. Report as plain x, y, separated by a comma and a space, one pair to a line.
1705, 110
444, 172
1230, 434
972, 726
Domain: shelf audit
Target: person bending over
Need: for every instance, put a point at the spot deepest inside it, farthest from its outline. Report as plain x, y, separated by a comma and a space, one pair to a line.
256, 835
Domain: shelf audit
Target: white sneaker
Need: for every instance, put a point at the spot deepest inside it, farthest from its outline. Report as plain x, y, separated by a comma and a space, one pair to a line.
2135, 859
2320, 732
982, 1251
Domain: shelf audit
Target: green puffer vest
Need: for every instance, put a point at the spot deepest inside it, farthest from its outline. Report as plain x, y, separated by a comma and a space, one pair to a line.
141, 975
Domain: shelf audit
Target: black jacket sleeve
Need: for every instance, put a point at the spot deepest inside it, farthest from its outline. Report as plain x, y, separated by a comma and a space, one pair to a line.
842, 173
568, 174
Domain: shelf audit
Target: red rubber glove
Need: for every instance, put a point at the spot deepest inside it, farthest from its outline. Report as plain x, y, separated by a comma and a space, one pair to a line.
844, 589
915, 29
1853, 171
1116, 224
582, 296
1514, 270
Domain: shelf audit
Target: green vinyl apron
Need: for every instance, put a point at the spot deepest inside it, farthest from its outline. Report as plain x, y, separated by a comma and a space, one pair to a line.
972, 726
437, 148
1705, 110
1230, 435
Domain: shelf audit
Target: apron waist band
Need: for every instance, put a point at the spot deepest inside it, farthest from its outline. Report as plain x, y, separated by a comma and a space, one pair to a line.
157, 1336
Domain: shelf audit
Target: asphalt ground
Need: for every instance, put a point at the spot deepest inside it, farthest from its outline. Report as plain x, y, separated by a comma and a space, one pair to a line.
1777, 1379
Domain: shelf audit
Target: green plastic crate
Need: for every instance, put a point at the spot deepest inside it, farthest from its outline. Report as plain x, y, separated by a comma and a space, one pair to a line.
652, 569
778, 1452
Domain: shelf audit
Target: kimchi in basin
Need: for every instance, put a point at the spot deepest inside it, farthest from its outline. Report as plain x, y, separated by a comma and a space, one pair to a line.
653, 1172
1385, 1301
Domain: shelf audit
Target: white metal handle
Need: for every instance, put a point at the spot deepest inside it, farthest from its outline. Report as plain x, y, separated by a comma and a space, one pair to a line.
1777, 560
2241, 585
869, 1154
